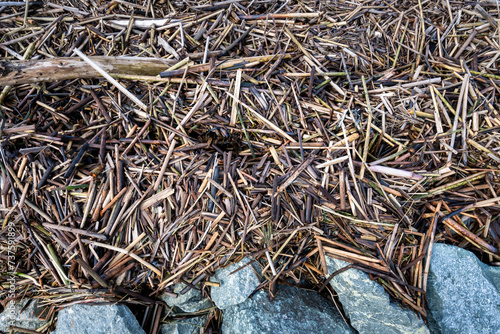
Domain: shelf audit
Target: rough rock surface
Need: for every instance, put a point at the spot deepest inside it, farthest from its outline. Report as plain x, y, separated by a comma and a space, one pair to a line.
293, 311
97, 319
462, 292
194, 325
191, 301
27, 319
368, 306
234, 288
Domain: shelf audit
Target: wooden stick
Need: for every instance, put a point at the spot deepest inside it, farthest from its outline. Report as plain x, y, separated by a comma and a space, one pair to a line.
113, 81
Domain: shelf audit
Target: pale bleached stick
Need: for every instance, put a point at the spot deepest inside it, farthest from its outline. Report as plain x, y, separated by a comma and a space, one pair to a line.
234, 111
457, 113
464, 119
132, 255
395, 172
114, 82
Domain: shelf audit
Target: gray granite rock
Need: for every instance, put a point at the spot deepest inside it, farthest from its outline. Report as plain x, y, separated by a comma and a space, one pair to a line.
233, 288
191, 301
14, 315
294, 310
462, 292
194, 325
368, 306
494, 276
97, 319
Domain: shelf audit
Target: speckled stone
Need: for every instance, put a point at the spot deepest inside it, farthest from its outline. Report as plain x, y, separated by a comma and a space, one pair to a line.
97, 319
293, 311
194, 325
27, 319
368, 306
234, 288
191, 301
462, 292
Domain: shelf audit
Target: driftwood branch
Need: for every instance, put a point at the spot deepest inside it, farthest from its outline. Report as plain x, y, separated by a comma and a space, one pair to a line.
56, 69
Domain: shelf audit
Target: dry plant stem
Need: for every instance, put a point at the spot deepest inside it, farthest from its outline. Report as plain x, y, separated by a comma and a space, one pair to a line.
132, 255
432, 234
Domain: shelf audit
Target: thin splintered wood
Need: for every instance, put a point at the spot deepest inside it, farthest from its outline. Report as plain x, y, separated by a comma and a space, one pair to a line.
285, 131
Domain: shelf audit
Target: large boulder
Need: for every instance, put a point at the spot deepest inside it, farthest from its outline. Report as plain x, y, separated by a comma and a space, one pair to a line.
191, 301
462, 292
15, 314
294, 310
97, 319
368, 306
234, 288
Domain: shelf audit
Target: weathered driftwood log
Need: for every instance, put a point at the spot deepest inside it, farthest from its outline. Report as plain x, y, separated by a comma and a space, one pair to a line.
55, 69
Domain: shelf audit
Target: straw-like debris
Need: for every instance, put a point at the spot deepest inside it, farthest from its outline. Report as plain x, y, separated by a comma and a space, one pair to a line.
146, 143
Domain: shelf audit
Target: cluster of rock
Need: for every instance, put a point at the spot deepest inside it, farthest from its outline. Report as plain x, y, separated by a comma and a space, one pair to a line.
463, 297
294, 310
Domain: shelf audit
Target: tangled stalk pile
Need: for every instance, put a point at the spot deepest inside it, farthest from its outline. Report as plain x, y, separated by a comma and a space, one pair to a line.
146, 143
